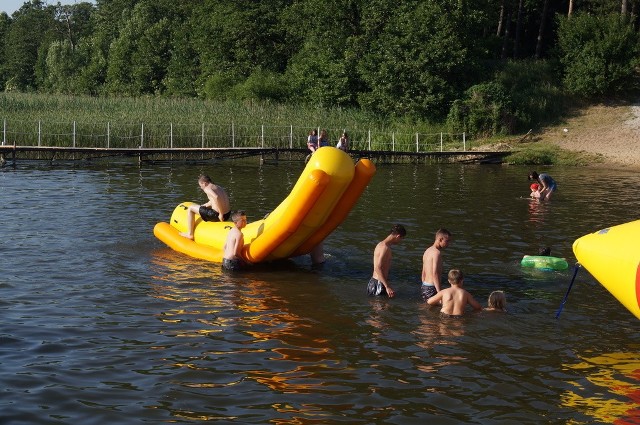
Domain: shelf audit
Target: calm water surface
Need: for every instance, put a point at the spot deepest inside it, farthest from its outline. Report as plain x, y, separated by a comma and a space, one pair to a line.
101, 323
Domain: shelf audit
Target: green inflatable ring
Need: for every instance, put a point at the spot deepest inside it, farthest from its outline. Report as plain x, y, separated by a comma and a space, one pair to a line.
544, 262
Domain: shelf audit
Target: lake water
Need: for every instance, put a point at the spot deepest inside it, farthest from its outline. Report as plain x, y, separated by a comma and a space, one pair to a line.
101, 323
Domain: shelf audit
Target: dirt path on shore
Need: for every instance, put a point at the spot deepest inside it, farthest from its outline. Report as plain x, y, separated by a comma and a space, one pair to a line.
610, 131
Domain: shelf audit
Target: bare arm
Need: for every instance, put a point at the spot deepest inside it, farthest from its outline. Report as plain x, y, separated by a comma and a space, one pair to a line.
473, 302
436, 299
213, 199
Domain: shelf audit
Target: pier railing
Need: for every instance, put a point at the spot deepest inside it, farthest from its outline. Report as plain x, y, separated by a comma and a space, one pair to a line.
119, 135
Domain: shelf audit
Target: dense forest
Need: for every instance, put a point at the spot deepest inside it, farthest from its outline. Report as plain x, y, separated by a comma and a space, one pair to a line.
486, 66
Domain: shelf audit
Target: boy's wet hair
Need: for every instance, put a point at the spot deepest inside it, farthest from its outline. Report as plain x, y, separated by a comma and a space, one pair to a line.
398, 229
204, 178
455, 276
237, 215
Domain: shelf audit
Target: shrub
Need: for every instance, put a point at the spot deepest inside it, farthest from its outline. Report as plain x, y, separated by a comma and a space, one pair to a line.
485, 111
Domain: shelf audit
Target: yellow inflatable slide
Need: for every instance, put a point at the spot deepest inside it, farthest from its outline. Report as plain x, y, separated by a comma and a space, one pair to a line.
328, 188
612, 256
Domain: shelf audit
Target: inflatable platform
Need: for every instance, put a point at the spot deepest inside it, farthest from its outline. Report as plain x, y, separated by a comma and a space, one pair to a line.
326, 191
612, 256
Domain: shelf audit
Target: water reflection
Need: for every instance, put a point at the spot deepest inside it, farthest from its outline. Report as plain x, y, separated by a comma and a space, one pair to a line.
613, 377
435, 332
537, 210
247, 316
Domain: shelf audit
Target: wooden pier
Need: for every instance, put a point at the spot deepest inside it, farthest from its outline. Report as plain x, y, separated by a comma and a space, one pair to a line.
11, 154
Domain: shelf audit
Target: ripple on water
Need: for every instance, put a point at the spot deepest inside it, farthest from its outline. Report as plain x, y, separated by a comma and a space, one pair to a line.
102, 323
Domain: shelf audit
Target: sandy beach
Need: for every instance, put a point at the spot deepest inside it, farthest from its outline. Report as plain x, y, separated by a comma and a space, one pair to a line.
612, 132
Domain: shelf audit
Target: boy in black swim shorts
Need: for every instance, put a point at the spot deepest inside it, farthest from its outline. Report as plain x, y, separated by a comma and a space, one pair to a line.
211, 211
232, 259
378, 284
209, 214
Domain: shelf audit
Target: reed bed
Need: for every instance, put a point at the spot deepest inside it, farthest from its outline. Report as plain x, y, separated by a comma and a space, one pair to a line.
80, 121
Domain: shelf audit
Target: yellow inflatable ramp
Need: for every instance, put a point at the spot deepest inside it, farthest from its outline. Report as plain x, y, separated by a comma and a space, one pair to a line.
612, 256
326, 191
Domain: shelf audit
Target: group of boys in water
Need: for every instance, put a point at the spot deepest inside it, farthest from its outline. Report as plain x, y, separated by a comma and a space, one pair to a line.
453, 300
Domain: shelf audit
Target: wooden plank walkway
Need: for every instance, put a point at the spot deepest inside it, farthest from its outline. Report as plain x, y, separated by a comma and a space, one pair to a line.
10, 154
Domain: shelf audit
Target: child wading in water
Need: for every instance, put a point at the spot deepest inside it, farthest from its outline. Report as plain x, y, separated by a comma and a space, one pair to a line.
497, 302
535, 190
454, 299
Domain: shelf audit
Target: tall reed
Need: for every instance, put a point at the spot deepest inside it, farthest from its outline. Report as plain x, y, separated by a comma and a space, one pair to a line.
59, 120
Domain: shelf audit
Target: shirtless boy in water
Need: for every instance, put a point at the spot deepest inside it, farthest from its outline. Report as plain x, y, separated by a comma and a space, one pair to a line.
217, 209
432, 264
454, 299
234, 243
378, 284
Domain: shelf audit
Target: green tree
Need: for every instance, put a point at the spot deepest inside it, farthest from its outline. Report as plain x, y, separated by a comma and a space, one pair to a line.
92, 65
599, 54
138, 58
420, 62
74, 21
66, 58
521, 95
31, 31
151, 57
323, 70
5, 22
60, 67
118, 74
183, 69
486, 111
261, 85
239, 37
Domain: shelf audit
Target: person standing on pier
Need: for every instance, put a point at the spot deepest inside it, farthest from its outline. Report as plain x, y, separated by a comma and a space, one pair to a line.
212, 210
